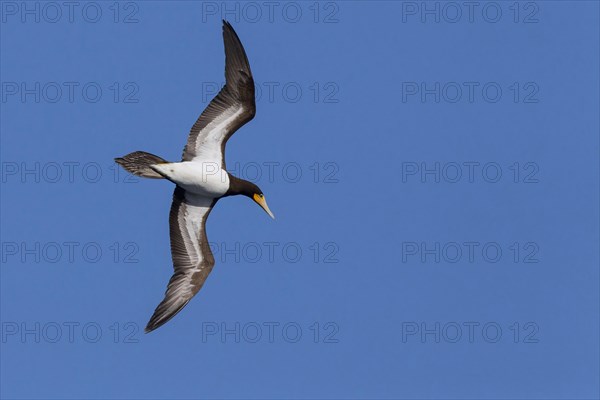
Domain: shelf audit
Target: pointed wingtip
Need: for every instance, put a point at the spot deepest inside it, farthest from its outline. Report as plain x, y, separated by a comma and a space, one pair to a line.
228, 29
153, 324
156, 321
165, 311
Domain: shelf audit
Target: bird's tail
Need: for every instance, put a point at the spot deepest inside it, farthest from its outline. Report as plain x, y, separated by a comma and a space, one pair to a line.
139, 163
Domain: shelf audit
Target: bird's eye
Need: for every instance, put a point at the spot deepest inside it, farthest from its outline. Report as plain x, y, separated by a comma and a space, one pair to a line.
261, 195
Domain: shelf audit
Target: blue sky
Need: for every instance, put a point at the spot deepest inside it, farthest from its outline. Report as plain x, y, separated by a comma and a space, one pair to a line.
433, 168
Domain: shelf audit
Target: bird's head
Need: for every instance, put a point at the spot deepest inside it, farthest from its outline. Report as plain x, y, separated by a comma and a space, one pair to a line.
248, 189
259, 198
253, 191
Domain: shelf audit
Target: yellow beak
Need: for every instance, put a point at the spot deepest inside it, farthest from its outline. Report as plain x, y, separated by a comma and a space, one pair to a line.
260, 200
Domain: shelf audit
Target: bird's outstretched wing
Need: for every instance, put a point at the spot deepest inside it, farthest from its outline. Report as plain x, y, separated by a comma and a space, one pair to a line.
192, 257
229, 110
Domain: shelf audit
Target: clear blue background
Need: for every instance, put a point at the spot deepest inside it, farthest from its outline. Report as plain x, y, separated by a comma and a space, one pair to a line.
370, 293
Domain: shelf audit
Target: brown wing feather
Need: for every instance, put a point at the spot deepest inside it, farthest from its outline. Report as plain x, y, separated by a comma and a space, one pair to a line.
192, 257
236, 95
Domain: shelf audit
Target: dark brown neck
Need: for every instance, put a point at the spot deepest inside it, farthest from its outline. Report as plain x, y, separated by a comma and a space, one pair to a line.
240, 186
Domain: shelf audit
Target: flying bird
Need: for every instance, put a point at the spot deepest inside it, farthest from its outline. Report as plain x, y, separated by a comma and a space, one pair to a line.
201, 179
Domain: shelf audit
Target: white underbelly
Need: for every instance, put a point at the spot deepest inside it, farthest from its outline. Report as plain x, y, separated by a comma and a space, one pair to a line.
205, 178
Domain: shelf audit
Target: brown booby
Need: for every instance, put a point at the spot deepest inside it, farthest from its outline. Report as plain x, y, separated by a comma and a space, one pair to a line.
201, 179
